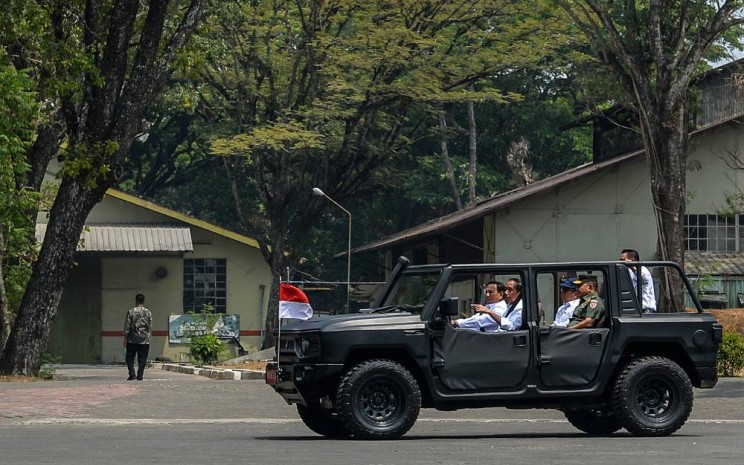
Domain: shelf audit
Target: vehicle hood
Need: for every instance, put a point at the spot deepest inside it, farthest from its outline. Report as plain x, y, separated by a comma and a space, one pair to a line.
355, 320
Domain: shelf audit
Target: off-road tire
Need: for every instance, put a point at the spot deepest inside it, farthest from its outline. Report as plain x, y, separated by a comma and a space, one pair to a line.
652, 396
322, 420
378, 399
594, 422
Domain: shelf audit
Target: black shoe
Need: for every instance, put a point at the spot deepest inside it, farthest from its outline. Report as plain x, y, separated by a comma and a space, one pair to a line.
130, 378
139, 378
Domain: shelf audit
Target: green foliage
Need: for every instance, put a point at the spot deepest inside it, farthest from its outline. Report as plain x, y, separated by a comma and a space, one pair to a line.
17, 116
731, 354
48, 365
206, 349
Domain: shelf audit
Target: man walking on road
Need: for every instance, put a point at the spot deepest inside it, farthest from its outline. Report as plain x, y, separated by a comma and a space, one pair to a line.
137, 331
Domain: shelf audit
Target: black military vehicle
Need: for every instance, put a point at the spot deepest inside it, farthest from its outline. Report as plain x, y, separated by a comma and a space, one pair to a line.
366, 375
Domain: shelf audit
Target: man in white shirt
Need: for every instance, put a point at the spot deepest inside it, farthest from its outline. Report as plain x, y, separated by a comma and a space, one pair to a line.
511, 320
648, 301
570, 298
485, 317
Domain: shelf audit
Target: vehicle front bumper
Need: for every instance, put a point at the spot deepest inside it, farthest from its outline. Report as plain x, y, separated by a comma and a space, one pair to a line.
301, 382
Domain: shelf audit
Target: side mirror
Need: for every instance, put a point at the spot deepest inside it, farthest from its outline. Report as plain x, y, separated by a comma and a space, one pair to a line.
449, 307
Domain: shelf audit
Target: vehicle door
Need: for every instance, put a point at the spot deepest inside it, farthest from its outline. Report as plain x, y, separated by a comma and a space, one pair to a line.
570, 357
467, 360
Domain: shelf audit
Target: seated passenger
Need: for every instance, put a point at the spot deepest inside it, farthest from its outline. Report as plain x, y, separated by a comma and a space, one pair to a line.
485, 318
570, 298
511, 320
591, 309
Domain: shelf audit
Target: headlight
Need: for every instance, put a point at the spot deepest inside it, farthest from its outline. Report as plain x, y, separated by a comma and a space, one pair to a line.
308, 346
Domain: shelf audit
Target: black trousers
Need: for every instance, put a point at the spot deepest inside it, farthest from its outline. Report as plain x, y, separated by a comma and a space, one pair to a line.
141, 351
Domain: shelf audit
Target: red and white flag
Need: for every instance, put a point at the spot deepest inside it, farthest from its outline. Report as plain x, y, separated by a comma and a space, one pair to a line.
293, 303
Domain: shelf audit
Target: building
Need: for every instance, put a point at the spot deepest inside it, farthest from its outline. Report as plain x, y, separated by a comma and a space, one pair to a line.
179, 263
593, 211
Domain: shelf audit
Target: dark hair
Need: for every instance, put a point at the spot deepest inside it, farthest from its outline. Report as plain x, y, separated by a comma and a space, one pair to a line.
499, 286
139, 299
517, 284
632, 254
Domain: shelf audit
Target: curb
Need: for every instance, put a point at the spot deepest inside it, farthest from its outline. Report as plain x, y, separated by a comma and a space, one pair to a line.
214, 373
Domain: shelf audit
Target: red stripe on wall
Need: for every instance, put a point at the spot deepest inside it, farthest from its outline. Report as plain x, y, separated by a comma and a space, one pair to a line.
243, 332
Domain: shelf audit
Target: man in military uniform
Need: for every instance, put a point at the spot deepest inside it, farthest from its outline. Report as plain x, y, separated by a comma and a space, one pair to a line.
137, 331
591, 309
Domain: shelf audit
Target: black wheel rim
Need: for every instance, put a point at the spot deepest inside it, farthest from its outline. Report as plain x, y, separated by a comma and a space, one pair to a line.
656, 399
381, 402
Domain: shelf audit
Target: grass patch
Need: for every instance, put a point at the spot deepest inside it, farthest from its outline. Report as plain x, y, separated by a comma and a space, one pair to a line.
19, 379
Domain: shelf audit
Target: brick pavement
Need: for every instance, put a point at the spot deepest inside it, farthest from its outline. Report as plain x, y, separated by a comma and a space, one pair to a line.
59, 400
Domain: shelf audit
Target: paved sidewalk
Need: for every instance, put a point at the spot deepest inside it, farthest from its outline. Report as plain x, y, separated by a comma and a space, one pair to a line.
83, 391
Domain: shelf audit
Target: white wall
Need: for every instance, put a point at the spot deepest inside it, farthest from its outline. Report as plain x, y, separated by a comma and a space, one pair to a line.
593, 218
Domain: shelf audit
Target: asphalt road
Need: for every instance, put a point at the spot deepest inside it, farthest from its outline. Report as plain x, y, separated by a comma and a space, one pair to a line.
171, 418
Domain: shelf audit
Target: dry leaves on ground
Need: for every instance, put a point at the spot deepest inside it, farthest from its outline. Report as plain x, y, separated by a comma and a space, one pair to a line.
732, 319
247, 365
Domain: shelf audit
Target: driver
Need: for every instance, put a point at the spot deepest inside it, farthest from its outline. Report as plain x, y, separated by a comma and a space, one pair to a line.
486, 318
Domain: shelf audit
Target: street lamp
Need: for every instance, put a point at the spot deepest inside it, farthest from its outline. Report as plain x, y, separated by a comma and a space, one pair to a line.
320, 193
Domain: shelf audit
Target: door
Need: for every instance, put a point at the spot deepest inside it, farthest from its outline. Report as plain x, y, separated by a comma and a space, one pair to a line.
471, 360
569, 357
468, 360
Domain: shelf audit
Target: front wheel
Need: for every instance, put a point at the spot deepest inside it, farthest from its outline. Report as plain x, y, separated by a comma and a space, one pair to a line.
378, 399
652, 397
596, 422
321, 420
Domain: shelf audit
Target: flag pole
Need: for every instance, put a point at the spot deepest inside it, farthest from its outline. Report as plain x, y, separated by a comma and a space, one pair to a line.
277, 347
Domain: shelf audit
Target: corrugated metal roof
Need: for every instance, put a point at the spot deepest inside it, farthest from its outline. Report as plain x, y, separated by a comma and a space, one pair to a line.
714, 263
181, 217
129, 238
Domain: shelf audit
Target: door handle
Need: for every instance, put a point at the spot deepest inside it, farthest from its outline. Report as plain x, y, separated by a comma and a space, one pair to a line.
520, 341
595, 339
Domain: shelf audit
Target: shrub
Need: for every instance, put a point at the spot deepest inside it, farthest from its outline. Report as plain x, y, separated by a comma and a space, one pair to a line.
206, 349
731, 354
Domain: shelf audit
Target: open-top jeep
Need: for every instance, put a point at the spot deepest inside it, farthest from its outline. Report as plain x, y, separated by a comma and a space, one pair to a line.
366, 375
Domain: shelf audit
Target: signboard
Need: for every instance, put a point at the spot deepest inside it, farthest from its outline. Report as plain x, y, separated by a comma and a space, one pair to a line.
182, 327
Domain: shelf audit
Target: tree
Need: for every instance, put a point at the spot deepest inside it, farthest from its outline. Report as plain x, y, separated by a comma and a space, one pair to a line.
319, 93
655, 48
97, 66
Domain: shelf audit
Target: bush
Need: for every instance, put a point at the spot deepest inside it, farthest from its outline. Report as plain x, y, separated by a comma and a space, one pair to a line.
206, 349
731, 354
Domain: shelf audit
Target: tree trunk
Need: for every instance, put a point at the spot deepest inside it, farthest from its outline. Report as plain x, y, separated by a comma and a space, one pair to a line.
447, 162
472, 151
276, 265
33, 324
666, 148
4, 306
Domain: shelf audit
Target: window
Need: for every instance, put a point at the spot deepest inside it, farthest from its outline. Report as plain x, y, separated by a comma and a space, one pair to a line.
715, 233
205, 284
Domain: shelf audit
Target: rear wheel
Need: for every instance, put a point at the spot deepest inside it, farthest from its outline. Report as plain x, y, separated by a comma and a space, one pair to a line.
599, 422
652, 397
378, 399
322, 420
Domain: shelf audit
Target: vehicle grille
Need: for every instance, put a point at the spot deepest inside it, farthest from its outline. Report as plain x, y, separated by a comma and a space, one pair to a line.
287, 353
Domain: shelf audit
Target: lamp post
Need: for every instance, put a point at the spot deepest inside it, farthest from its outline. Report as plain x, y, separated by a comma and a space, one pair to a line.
320, 193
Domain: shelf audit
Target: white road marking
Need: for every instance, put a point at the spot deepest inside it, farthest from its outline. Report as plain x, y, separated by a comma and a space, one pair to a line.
280, 421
